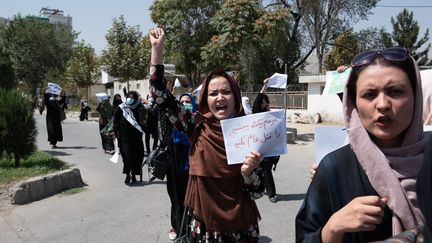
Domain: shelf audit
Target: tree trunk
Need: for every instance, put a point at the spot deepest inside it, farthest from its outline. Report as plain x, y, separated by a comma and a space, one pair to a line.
17, 159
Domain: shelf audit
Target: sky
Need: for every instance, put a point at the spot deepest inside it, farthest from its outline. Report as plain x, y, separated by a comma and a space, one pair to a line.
93, 18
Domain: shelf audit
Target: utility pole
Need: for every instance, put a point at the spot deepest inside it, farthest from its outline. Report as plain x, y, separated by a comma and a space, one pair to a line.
286, 86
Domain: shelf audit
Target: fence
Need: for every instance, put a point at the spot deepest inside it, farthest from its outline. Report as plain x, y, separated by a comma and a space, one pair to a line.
295, 99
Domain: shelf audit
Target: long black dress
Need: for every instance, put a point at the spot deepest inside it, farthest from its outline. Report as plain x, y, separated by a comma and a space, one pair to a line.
268, 162
130, 139
53, 122
105, 114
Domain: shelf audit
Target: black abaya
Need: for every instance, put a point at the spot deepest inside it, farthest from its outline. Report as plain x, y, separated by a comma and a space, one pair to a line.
53, 122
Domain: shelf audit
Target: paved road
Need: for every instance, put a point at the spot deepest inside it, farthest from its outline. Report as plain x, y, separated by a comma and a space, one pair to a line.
109, 211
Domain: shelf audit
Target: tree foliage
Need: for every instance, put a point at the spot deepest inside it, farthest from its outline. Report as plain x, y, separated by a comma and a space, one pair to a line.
346, 46
122, 58
7, 79
406, 33
81, 66
348, 43
17, 126
245, 31
36, 47
187, 25
323, 18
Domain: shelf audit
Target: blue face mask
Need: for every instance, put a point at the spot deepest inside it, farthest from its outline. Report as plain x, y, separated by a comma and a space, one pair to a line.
129, 101
188, 106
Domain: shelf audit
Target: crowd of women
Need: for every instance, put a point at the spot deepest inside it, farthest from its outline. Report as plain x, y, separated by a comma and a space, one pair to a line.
376, 188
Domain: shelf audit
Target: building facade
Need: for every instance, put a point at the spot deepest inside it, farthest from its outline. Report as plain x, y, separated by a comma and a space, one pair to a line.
56, 16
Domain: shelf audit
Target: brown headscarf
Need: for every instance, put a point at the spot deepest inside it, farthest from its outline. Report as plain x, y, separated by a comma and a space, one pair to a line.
215, 191
391, 171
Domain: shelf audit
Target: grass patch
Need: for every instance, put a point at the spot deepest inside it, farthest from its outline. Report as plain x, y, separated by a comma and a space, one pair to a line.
40, 163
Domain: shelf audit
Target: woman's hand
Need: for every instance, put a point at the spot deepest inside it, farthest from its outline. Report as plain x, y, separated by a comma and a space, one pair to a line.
252, 161
157, 40
157, 37
264, 86
312, 170
361, 214
342, 68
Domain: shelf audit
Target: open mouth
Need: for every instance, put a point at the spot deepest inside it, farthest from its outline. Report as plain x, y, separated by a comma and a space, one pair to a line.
384, 120
221, 107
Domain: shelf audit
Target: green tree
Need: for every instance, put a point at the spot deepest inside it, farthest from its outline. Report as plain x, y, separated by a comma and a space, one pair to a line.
370, 39
121, 59
187, 24
348, 43
17, 126
7, 79
243, 29
343, 50
406, 33
272, 50
323, 18
81, 67
36, 47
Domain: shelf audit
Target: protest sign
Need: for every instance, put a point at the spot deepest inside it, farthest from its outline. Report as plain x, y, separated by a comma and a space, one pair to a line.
335, 81
177, 83
263, 132
53, 88
328, 139
277, 80
102, 96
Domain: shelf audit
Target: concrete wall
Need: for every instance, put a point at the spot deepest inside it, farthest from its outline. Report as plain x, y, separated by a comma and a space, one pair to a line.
141, 86
328, 106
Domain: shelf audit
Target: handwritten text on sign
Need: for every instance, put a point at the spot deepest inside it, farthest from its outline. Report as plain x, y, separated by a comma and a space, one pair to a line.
262, 132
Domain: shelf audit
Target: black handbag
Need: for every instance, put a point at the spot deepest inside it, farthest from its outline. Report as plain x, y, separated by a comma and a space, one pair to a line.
158, 162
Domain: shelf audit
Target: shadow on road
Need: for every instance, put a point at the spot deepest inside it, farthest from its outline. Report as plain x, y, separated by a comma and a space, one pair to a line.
307, 137
76, 147
145, 183
56, 153
265, 239
291, 197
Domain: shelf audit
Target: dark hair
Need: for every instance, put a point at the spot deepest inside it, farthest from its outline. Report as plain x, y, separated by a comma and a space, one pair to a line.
407, 66
117, 100
266, 98
220, 72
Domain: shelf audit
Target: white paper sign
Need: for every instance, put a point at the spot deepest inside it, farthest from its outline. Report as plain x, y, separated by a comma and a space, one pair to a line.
335, 81
115, 157
277, 80
328, 139
427, 128
102, 96
177, 83
263, 132
53, 88
197, 91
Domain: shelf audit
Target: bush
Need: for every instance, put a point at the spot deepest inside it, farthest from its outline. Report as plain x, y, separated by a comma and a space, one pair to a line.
17, 126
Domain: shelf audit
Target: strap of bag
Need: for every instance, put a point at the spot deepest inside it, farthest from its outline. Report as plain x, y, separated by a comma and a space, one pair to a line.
164, 129
180, 237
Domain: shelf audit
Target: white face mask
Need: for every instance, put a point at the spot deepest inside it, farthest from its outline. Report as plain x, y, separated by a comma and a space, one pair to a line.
129, 101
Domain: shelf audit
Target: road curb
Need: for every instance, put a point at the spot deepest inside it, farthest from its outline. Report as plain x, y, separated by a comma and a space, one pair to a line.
45, 186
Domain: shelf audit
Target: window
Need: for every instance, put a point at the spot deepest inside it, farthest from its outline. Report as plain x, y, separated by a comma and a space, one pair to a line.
119, 87
138, 86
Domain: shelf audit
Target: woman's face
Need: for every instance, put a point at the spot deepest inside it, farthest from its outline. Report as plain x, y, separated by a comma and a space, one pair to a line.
265, 106
385, 103
185, 99
220, 98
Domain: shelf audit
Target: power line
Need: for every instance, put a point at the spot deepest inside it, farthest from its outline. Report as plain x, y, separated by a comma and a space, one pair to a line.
401, 6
